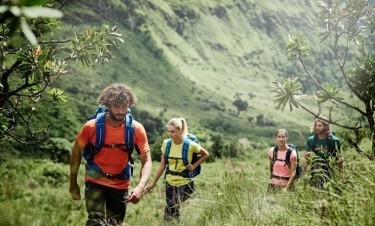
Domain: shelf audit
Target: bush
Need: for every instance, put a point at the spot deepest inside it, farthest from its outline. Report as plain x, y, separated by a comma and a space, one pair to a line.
59, 149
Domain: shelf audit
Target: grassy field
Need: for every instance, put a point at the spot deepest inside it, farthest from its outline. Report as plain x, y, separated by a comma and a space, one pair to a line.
228, 192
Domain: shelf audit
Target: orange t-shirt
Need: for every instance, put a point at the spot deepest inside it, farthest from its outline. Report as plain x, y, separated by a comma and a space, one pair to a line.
280, 168
112, 160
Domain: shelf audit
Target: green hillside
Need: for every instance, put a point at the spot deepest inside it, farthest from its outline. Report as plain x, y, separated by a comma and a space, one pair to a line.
193, 59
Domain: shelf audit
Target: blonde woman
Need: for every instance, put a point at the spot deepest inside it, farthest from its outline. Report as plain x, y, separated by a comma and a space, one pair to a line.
178, 188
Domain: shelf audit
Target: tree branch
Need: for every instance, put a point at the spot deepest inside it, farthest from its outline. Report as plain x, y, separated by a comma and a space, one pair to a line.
321, 87
54, 41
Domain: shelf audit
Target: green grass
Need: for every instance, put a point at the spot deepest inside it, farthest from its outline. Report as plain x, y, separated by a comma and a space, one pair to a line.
228, 192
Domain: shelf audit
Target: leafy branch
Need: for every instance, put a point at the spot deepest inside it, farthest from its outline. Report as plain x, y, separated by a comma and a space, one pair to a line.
36, 63
344, 23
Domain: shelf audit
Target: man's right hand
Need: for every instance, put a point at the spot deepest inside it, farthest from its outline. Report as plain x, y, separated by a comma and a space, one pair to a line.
75, 191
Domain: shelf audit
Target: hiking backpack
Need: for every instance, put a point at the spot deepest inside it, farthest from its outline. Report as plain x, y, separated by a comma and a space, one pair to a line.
185, 149
330, 144
291, 147
89, 152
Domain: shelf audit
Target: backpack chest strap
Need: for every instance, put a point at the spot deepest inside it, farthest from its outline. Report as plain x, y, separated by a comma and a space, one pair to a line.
119, 146
287, 156
184, 154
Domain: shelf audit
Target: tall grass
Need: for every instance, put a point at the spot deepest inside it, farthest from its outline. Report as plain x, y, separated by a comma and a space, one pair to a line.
228, 192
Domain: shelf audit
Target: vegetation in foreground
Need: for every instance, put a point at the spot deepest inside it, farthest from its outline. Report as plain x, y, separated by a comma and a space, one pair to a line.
229, 192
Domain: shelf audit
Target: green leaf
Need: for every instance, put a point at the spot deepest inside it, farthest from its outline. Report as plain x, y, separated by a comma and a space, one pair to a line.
57, 95
115, 34
15, 10
24, 67
22, 57
37, 11
120, 39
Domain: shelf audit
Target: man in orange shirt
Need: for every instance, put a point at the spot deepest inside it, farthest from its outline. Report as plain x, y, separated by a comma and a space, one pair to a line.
107, 192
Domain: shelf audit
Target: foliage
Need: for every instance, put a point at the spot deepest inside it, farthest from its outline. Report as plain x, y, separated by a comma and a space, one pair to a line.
156, 149
228, 191
222, 148
297, 46
263, 120
241, 105
345, 24
152, 124
362, 77
58, 148
32, 63
287, 90
222, 125
17, 13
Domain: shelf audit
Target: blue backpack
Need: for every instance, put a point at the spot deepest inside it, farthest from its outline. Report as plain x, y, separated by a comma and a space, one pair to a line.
185, 149
91, 150
291, 147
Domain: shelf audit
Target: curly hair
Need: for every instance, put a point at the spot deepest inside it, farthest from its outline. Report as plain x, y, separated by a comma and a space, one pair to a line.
117, 95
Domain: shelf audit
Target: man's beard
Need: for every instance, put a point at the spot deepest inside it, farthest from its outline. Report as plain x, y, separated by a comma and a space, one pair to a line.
114, 118
323, 131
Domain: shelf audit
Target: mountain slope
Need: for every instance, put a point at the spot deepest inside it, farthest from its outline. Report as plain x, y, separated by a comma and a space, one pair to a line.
192, 58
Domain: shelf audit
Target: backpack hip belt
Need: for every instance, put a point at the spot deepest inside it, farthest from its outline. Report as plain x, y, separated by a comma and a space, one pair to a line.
280, 177
94, 172
175, 173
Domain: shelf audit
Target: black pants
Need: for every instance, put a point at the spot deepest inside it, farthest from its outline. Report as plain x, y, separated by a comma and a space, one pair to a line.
174, 197
105, 205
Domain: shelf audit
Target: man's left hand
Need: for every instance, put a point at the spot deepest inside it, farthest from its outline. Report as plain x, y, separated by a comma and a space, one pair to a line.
135, 195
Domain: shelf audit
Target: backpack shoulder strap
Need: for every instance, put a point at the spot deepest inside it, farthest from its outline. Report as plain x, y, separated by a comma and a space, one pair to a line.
314, 142
100, 130
167, 150
287, 156
330, 144
275, 149
185, 151
129, 132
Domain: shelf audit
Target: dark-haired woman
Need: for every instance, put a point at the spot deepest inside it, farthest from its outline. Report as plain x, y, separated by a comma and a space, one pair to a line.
282, 174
